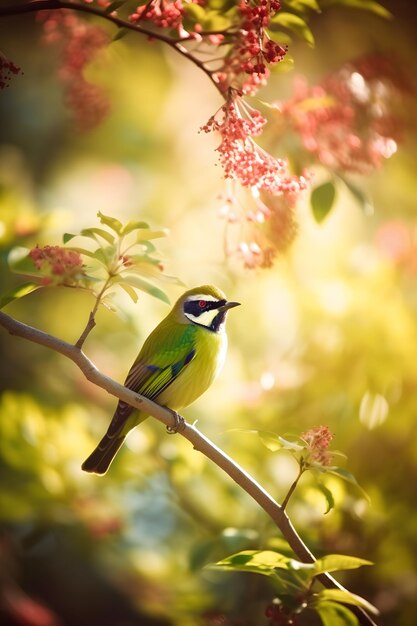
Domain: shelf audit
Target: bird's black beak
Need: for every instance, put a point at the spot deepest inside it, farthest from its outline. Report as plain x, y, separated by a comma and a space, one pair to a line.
228, 305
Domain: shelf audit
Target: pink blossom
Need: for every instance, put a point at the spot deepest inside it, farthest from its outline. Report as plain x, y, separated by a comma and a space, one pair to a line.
245, 64
317, 441
60, 266
349, 121
242, 159
80, 43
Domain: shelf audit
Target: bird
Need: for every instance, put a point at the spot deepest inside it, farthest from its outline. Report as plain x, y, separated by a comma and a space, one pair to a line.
176, 364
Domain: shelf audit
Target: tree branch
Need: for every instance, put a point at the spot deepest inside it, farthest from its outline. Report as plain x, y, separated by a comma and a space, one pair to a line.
53, 5
199, 441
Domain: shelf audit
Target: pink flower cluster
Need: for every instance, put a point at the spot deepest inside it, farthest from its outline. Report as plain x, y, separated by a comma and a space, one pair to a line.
242, 159
347, 122
264, 226
59, 265
266, 222
245, 65
162, 13
8, 69
317, 441
80, 43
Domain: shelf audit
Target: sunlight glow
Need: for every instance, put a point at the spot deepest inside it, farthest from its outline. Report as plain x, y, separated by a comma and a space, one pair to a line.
267, 381
334, 297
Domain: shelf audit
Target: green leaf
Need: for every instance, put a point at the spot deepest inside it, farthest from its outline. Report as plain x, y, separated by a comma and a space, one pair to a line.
147, 234
133, 225
295, 24
143, 285
121, 33
111, 222
334, 614
130, 291
149, 249
93, 233
322, 199
336, 562
66, 237
195, 11
270, 440
18, 292
105, 256
327, 494
212, 20
342, 473
149, 267
302, 5
364, 201
257, 561
342, 595
291, 445
83, 251
281, 38
366, 5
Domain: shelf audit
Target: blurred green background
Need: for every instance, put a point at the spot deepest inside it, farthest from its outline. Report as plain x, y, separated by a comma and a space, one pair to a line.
335, 343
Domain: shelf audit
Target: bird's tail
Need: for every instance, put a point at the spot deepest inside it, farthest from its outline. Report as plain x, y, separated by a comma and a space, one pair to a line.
99, 460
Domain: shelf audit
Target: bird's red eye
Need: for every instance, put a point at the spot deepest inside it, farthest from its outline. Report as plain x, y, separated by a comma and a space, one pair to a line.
202, 304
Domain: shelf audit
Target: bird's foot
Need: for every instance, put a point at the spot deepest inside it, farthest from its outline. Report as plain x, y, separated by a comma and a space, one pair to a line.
179, 423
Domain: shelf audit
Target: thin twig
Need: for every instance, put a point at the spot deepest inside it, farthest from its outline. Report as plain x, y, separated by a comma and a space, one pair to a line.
292, 488
92, 317
199, 441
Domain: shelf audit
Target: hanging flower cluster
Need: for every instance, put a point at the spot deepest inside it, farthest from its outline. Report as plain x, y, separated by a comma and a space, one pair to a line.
242, 159
347, 122
267, 223
245, 65
80, 43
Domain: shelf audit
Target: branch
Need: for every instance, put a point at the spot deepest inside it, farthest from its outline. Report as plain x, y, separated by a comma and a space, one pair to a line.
53, 5
199, 441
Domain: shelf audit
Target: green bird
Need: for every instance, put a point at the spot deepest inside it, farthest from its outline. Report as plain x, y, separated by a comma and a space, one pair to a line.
177, 363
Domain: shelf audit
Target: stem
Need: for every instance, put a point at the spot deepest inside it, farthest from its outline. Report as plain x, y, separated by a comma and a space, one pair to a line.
92, 317
292, 488
197, 439
53, 5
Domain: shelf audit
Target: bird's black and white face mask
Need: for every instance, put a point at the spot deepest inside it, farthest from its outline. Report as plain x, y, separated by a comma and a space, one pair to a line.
207, 311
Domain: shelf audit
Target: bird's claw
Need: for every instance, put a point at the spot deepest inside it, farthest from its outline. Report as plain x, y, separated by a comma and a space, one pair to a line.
179, 424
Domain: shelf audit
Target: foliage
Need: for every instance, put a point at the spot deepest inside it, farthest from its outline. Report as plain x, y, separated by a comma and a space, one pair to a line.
326, 335
293, 581
114, 262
